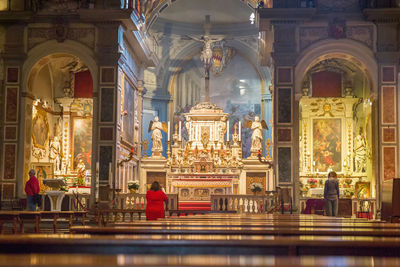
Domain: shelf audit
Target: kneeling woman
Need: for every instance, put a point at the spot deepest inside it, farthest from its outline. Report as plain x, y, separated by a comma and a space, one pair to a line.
155, 202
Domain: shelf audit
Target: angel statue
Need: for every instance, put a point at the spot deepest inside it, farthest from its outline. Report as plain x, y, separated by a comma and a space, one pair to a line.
156, 137
256, 137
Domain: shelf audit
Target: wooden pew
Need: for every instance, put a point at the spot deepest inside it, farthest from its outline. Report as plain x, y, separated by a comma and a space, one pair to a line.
202, 245
85, 260
105, 216
22, 216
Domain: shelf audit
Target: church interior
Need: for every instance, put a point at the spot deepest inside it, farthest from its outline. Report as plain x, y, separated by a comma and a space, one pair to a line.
269, 127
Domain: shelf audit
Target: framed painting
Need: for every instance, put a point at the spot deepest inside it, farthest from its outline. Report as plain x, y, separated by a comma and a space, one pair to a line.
363, 189
44, 170
129, 98
40, 129
327, 145
82, 141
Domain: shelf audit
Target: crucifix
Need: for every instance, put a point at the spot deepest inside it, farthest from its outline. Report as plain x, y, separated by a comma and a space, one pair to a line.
206, 53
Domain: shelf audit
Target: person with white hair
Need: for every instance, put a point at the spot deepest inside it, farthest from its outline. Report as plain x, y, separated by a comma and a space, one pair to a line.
32, 189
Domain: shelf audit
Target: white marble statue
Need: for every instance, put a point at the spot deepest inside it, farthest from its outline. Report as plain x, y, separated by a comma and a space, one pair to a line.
256, 137
360, 153
55, 153
156, 126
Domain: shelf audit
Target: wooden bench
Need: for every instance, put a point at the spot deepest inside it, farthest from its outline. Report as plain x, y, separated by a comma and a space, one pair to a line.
87, 260
104, 217
21, 217
201, 245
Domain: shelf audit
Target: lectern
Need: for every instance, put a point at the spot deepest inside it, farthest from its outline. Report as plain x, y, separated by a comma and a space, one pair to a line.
55, 195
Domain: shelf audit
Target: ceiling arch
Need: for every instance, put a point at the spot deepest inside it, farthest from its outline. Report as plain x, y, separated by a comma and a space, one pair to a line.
193, 11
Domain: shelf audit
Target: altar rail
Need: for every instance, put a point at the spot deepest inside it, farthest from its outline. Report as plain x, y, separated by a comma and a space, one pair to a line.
138, 201
243, 203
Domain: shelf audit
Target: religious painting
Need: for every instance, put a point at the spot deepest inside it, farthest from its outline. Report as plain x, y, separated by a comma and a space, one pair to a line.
327, 145
40, 129
128, 114
184, 193
44, 170
255, 179
82, 142
363, 190
201, 192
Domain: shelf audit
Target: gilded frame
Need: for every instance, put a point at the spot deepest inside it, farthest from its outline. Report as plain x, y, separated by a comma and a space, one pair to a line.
40, 125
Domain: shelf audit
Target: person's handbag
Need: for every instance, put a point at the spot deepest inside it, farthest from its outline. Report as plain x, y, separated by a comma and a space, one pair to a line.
37, 199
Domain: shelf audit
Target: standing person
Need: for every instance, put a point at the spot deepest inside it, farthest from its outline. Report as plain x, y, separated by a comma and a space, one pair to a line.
331, 194
155, 202
32, 188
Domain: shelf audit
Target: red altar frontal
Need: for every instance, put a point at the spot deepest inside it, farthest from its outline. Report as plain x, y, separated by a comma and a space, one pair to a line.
200, 187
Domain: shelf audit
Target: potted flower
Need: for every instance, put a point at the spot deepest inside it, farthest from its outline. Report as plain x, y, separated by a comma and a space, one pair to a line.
255, 188
347, 183
133, 186
312, 182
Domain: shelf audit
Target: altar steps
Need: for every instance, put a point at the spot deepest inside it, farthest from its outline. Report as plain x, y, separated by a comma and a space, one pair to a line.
194, 205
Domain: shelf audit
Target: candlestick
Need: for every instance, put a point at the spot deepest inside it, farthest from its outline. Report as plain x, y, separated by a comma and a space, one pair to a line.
180, 131
227, 131
240, 131
169, 126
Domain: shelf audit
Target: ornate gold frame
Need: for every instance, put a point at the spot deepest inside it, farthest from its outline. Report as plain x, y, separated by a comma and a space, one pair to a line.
40, 114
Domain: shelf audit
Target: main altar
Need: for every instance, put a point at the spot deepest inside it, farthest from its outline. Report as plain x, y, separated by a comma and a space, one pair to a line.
208, 162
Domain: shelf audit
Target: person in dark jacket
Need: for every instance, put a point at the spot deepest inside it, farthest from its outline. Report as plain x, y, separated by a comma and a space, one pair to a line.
155, 202
32, 188
331, 194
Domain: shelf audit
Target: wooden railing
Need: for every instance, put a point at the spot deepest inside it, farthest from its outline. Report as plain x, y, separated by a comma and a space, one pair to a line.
138, 201
243, 203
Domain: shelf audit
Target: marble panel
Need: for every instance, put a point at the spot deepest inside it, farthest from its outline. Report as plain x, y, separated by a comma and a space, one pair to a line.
106, 133
284, 164
285, 75
388, 74
107, 75
388, 105
10, 132
9, 161
107, 104
8, 191
284, 135
389, 135
284, 105
11, 104
12, 75
389, 162
105, 157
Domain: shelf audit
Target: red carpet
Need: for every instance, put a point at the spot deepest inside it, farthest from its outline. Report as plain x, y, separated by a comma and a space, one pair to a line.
194, 205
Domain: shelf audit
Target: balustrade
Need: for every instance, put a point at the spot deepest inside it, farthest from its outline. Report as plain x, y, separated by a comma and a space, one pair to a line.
243, 203
138, 201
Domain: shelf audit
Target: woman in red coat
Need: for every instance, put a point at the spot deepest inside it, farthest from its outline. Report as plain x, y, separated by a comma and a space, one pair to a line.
155, 202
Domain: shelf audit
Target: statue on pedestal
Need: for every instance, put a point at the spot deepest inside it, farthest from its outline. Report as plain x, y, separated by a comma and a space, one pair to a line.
360, 152
156, 136
55, 154
256, 137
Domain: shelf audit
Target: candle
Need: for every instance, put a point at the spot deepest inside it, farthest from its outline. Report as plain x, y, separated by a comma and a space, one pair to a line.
180, 131
227, 131
109, 175
240, 131
169, 126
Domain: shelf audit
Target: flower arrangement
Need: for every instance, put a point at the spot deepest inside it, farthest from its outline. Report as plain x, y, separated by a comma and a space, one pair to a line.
313, 182
347, 183
133, 185
255, 187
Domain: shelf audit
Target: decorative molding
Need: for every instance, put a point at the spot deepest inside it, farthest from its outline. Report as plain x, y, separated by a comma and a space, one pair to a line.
84, 35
